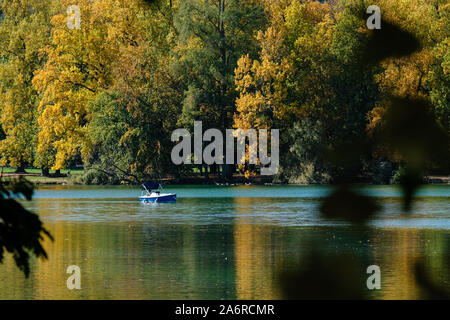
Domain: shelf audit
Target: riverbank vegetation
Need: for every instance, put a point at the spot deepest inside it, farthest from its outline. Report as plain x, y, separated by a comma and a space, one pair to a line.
108, 96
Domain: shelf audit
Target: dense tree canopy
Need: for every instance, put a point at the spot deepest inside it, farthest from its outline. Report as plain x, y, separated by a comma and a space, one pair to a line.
109, 94
24, 30
212, 37
312, 80
21, 231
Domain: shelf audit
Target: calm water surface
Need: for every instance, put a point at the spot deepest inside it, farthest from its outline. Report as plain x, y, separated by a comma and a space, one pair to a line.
220, 242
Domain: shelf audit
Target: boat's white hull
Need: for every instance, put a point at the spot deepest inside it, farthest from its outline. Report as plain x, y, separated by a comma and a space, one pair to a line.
154, 197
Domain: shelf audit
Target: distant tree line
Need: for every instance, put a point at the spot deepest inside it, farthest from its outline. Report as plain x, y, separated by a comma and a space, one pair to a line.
109, 95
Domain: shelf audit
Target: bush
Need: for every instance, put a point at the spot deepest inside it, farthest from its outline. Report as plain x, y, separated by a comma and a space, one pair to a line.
303, 163
95, 177
379, 172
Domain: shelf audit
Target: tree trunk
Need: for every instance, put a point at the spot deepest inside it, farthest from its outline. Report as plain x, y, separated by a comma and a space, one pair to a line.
21, 168
227, 171
45, 172
58, 173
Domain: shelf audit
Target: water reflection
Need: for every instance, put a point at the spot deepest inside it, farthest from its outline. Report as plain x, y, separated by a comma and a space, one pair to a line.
258, 250
217, 247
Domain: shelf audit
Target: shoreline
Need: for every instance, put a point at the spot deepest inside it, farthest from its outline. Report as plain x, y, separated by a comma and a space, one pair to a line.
213, 179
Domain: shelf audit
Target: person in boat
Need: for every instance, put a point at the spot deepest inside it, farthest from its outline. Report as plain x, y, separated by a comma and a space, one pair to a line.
149, 193
152, 187
154, 194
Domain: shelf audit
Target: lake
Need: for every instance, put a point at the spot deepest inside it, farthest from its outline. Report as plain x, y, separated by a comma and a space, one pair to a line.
220, 242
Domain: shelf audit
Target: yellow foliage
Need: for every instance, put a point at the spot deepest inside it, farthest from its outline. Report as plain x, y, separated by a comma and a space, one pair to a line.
79, 64
22, 33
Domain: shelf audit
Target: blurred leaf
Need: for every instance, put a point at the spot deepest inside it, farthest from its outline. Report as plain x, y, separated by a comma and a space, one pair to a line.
409, 181
389, 41
346, 158
324, 276
23, 187
21, 231
349, 205
411, 129
430, 289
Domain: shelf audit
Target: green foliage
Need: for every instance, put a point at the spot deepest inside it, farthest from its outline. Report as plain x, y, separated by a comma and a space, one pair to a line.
108, 125
312, 74
346, 99
324, 275
398, 175
95, 176
212, 35
305, 163
109, 95
21, 231
380, 171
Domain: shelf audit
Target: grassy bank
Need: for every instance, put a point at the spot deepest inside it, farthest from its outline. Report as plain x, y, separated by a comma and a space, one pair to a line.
71, 176
66, 176
39, 171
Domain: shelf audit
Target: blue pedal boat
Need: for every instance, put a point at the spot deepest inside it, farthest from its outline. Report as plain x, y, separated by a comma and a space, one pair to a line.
152, 194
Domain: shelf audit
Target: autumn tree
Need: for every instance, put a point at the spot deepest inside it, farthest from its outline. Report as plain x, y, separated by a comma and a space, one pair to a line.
308, 75
79, 65
212, 35
422, 76
24, 30
133, 119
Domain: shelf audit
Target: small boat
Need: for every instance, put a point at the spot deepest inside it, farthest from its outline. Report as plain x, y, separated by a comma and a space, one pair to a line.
152, 194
